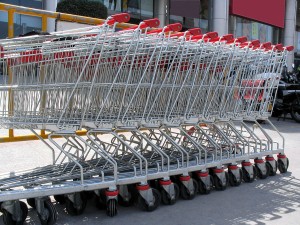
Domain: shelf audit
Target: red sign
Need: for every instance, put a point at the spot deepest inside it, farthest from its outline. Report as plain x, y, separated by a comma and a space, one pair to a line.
271, 12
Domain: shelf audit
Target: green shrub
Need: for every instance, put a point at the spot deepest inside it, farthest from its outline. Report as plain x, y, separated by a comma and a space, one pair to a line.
87, 8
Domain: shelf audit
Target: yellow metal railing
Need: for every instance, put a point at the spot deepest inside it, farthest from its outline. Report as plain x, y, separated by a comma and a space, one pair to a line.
11, 11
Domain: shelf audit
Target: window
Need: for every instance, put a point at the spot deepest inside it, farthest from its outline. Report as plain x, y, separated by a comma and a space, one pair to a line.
196, 13
22, 23
254, 30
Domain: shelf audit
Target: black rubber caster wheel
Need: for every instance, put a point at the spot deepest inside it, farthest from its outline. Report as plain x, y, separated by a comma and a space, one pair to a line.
202, 189
101, 200
75, 211
142, 204
219, 186
165, 197
8, 218
272, 171
61, 199
232, 179
31, 202
111, 207
260, 175
125, 203
281, 167
133, 193
185, 193
89, 194
246, 175
52, 214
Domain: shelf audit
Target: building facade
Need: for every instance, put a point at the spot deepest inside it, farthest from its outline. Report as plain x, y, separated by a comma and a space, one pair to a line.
267, 20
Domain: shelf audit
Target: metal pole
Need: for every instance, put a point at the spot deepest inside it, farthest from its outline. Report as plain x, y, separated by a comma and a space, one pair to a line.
290, 29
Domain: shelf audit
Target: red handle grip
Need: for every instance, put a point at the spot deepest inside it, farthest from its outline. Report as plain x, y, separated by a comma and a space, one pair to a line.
212, 34
289, 48
267, 45
279, 47
152, 22
195, 31
228, 38
121, 17
255, 43
1, 51
241, 39
197, 37
175, 27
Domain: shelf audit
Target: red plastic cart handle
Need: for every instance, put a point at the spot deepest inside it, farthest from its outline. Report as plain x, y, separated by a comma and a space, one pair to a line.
279, 47
227, 38
1, 51
175, 27
255, 43
152, 23
212, 35
241, 39
267, 45
289, 48
195, 31
121, 17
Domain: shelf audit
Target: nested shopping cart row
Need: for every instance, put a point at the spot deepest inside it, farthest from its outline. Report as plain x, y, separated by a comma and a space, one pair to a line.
181, 100
130, 78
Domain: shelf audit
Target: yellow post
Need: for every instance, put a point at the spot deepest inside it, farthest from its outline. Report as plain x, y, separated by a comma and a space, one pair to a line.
10, 23
44, 23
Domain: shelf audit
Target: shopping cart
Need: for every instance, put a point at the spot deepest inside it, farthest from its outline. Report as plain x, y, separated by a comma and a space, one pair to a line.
182, 99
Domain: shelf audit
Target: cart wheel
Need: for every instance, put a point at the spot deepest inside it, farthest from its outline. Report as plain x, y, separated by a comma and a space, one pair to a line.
111, 207
281, 167
101, 200
133, 195
76, 211
60, 199
52, 214
272, 172
8, 218
143, 204
165, 197
232, 179
89, 194
185, 193
125, 203
219, 184
31, 202
259, 172
246, 175
203, 190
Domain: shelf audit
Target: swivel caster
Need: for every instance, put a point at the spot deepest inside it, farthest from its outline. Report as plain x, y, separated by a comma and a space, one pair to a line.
262, 168
169, 192
111, 202
204, 182
248, 171
76, 203
272, 164
126, 195
148, 198
14, 212
235, 175
61, 199
220, 179
188, 187
46, 211
283, 163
